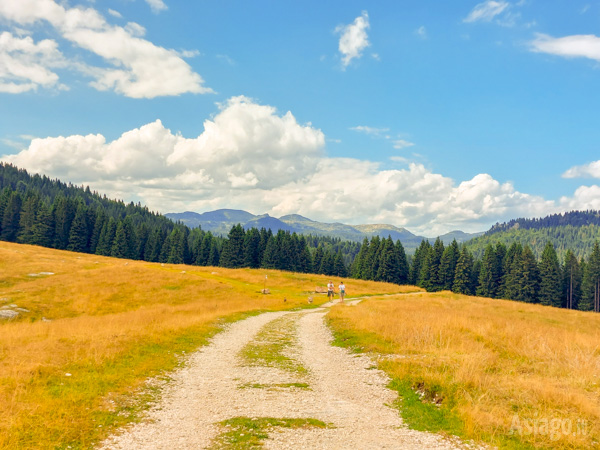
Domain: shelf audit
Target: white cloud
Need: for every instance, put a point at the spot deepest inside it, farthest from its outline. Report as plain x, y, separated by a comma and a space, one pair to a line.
590, 170
372, 131
114, 13
26, 65
583, 46
136, 67
354, 38
585, 197
486, 11
421, 32
251, 157
402, 143
156, 5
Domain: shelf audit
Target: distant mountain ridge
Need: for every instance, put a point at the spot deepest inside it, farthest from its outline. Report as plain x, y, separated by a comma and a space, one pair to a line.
220, 222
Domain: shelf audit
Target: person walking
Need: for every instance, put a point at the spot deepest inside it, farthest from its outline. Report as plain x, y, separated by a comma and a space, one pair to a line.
342, 288
330, 290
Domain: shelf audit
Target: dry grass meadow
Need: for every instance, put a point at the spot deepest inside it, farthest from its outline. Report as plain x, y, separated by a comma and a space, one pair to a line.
486, 366
75, 366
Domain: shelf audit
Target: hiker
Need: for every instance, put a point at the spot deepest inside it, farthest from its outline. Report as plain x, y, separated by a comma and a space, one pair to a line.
330, 290
342, 291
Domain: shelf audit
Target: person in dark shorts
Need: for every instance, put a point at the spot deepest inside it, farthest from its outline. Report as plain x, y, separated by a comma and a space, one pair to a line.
342, 288
330, 290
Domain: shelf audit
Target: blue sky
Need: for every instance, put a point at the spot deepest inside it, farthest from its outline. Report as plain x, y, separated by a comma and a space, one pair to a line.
432, 115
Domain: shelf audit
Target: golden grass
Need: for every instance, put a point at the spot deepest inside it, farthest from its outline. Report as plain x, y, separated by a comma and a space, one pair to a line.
113, 323
491, 362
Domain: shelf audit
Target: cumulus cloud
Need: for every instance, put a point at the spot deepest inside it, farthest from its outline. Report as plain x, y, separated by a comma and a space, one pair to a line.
156, 5
251, 157
26, 65
590, 170
353, 38
136, 67
582, 46
486, 11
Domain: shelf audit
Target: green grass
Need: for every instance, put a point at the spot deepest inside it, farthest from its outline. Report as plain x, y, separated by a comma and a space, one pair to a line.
423, 407
247, 433
269, 346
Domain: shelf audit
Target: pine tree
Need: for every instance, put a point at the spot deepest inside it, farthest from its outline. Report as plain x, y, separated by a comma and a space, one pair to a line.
486, 285
339, 268
572, 278
252, 248
448, 265
232, 255
4, 197
528, 277
512, 266
153, 246
417, 260
120, 246
591, 282
389, 268
78, 235
304, 259
359, 262
463, 273
101, 219
550, 278
318, 259
43, 229
28, 219
403, 268
64, 212
12, 216
107, 236
176, 247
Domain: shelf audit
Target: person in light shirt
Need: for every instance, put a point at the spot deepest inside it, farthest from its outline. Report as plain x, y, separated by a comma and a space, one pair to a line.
342, 288
330, 290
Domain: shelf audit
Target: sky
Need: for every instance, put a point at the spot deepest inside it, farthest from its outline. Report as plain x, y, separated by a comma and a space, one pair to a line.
425, 114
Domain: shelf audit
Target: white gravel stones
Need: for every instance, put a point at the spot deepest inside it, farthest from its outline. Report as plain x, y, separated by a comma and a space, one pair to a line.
341, 392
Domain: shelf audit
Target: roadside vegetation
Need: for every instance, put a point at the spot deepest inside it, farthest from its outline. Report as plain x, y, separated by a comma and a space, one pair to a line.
76, 364
511, 374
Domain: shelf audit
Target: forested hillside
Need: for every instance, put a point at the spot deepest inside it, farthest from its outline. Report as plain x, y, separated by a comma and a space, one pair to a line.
40, 211
37, 210
576, 231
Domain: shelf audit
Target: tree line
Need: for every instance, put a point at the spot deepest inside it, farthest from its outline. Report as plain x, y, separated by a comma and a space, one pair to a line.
39, 211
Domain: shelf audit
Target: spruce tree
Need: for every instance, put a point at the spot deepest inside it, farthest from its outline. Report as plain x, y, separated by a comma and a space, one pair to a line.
339, 268
252, 248
232, 255
389, 268
486, 285
153, 246
403, 268
120, 246
572, 278
528, 277
358, 269
43, 229
12, 215
591, 281
415, 268
78, 236
462, 273
28, 219
550, 278
448, 265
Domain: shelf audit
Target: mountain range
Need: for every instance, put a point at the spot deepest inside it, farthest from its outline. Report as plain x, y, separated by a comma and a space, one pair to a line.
220, 222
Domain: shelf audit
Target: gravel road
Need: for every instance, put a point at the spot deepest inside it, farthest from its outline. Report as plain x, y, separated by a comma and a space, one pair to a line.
334, 386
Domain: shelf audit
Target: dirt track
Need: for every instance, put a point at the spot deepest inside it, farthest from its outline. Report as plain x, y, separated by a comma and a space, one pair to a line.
316, 381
